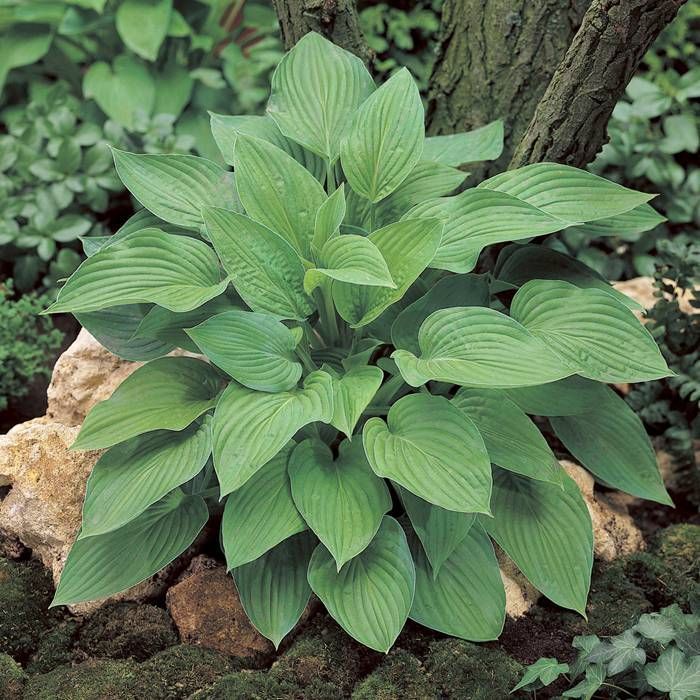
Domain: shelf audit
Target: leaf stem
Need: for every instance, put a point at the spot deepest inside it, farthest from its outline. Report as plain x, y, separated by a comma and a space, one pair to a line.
372, 211
330, 177
305, 357
326, 312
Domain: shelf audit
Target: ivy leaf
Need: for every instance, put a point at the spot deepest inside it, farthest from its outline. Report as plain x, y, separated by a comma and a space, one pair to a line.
621, 653
342, 500
433, 450
595, 677
543, 672
484, 143
370, 597
352, 393
676, 674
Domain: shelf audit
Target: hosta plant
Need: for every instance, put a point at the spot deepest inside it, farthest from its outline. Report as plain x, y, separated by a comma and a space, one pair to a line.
359, 411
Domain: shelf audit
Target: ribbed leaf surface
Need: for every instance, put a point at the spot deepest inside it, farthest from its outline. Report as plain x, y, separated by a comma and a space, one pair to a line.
315, 90
370, 597
342, 500
251, 427
261, 513
432, 449
176, 272
485, 143
165, 394
133, 475
264, 268
328, 219
353, 392
466, 598
567, 397
627, 225
478, 347
385, 140
255, 349
546, 530
106, 564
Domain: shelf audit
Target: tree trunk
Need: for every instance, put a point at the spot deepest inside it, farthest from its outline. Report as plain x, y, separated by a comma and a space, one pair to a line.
495, 60
569, 124
335, 19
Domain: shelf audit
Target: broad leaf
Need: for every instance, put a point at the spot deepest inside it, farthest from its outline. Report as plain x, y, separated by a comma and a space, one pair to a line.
255, 349
611, 442
407, 247
277, 191
567, 397
24, 45
544, 671
165, 394
176, 187
440, 531
143, 25
329, 217
620, 653
627, 226
251, 427
315, 90
342, 500
593, 333
656, 627
370, 597
676, 674
478, 347
261, 513
103, 565
466, 598
484, 143
432, 449
385, 140
133, 475
559, 563
176, 272
274, 590
264, 268
352, 393
511, 438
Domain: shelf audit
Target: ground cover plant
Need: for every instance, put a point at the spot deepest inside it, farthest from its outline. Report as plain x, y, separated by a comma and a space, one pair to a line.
363, 421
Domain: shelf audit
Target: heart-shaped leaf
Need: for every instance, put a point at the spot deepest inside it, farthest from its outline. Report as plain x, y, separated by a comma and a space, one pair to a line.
143, 25
352, 394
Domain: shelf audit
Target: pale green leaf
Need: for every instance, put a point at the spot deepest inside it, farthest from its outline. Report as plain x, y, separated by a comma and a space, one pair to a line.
656, 627
627, 226
329, 217
484, 143
23, 45
352, 393
143, 25
174, 86
544, 671
676, 674
567, 397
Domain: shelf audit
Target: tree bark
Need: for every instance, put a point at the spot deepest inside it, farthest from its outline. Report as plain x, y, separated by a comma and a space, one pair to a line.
337, 20
495, 60
569, 124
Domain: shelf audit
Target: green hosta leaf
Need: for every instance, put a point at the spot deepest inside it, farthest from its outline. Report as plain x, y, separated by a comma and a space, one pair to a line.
143, 25
485, 143
177, 272
353, 392
114, 328
255, 349
370, 597
261, 513
627, 225
103, 565
407, 247
132, 476
315, 90
517, 264
432, 449
478, 218
567, 397
451, 291
176, 187
277, 191
593, 333
676, 674
611, 442
251, 427
174, 86
440, 531
23, 45
478, 347
264, 268
466, 598
165, 394
544, 671
385, 140
511, 438
570, 194
350, 259
558, 564
273, 589
329, 217
342, 500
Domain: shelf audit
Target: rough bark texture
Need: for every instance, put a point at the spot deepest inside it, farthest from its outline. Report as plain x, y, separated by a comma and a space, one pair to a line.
569, 124
495, 60
335, 19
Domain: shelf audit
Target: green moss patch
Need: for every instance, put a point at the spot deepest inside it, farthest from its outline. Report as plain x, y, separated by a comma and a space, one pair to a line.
400, 676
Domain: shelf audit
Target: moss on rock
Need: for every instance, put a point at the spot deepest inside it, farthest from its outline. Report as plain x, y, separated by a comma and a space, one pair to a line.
12, 678
55, 648
26, 590
401, 676
245, 685
470, 671
127, 630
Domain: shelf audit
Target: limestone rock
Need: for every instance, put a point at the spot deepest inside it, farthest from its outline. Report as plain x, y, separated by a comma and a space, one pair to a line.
207, 611
642, 289
85, 374
521, 595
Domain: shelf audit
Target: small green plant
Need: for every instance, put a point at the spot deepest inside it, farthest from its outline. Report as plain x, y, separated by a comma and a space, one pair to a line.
357, 365
28, 343
660, 653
